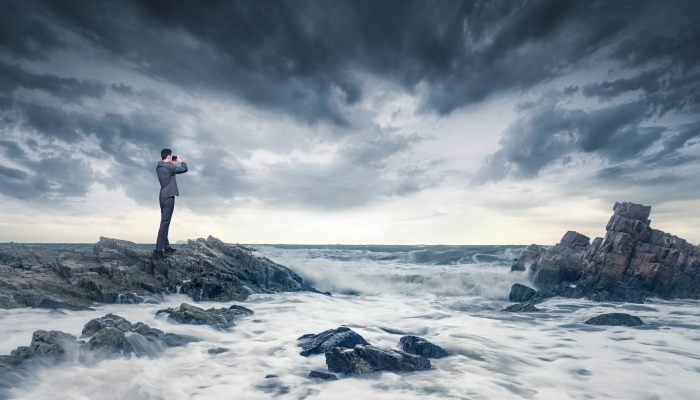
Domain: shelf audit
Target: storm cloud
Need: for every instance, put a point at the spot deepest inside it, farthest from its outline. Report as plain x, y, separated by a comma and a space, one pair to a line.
90, 92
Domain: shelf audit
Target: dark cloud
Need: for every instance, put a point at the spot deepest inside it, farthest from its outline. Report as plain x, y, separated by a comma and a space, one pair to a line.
12, 77
303, 58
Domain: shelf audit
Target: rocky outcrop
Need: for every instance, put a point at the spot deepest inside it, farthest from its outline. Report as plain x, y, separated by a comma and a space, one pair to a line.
422, 347
615, 319
363, 359
220, 318
633, 261
342, 337
119, 271
109, 336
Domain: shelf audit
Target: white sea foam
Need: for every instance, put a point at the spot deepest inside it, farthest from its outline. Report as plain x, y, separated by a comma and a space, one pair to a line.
495, 355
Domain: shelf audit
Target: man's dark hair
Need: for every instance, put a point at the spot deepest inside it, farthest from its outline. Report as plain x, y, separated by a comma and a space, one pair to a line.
164, 153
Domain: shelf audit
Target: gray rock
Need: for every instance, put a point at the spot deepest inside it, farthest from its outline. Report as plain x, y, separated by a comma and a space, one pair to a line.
521, 293
220, 318
108, 337
521, 307
363, 359
217, 350
326, 376
528, 256
615, 319
322, 342
46, 344
422, 347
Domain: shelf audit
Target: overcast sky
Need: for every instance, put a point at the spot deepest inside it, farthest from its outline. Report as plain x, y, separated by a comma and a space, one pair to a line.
348, 121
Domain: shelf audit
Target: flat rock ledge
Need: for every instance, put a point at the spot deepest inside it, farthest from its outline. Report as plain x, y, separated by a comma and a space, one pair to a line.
120, 271
220, 318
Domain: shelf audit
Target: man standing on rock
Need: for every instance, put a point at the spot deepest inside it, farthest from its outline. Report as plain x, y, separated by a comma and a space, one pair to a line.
166, 171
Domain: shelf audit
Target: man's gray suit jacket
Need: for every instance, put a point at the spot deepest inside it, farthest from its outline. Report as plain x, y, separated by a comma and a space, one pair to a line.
166, 175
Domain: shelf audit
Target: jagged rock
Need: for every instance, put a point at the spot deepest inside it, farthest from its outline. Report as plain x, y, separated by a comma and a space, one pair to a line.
521, 307
120, 271
521, 293
322, 342
326, 376
615, 319
422, 347
363, 359
221, 318
633, 261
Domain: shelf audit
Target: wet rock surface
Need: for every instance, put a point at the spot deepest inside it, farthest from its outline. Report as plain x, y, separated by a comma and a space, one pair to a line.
632, 262
422, 347
521, 293
615, 319
342, 337
220, 318
363, 359
119, 271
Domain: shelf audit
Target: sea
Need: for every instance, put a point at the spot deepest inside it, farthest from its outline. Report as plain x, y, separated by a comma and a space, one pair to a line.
451, 295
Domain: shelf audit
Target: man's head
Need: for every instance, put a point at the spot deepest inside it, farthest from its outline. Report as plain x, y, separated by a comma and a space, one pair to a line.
166, 155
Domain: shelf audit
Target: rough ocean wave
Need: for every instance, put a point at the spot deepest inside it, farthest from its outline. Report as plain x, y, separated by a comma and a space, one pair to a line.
382, 293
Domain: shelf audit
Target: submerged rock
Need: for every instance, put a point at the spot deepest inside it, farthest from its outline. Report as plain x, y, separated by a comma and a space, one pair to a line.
342, 337
107, 337
326, 376
363, 359
120, 271
521, 293
221, 318
633, 261
615, 319
421, 347
521, 307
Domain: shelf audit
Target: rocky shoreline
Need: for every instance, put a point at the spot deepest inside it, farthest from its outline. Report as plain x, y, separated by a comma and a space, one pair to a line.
118, 271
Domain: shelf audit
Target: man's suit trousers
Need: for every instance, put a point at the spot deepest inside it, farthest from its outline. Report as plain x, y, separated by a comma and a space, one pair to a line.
167, 206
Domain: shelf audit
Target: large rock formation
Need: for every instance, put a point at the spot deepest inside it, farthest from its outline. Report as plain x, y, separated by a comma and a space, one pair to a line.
120, 271
633, 261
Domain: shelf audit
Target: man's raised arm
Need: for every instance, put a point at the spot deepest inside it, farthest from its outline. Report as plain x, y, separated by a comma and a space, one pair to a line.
179, 169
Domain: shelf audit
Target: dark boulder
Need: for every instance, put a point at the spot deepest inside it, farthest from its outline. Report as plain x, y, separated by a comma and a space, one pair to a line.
343, 337
220, 318
521, 293
615, 319
326, 376
419, 346
363, 359
527, 257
